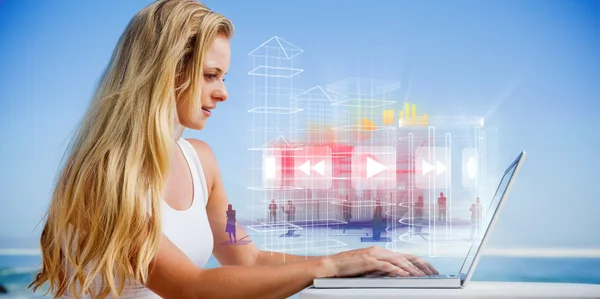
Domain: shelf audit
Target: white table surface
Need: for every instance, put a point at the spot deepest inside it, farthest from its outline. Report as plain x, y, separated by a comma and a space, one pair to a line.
475, 289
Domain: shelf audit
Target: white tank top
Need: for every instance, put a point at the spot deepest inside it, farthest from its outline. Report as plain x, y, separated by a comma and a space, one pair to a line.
189, 230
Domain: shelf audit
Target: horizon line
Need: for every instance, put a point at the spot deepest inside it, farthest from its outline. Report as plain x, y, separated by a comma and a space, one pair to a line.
506, 252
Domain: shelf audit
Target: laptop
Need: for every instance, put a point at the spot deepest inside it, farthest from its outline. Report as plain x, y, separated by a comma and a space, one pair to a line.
452, 281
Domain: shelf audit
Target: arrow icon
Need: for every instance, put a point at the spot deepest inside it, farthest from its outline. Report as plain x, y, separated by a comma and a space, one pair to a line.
426, 168
435, 166
439, 168
374, 167
305, 167
320, 167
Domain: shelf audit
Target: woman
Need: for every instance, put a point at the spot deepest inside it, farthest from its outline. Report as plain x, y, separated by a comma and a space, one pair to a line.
230, 228
132, 211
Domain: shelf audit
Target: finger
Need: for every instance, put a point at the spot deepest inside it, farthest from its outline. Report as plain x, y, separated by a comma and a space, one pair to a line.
407, 266
414, 270
396, 259
435, 272
423, 265
384, 266
378, 266
426, 264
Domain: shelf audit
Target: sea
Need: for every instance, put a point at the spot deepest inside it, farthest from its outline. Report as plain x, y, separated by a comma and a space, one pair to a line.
16, 271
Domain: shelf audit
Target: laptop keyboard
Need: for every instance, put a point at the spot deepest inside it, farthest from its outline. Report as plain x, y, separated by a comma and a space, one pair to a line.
426, 276
434, 276
380, 274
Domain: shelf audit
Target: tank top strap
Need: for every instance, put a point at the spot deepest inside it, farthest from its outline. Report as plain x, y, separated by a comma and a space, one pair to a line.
197, 172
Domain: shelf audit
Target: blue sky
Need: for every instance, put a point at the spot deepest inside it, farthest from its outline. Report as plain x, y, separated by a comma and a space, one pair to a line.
531, 67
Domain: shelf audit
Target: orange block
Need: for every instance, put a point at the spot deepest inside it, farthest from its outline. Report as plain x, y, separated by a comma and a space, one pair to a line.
388, 117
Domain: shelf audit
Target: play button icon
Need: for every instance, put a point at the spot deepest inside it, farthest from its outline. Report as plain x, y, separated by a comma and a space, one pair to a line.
374, 168
426, 168
439, 168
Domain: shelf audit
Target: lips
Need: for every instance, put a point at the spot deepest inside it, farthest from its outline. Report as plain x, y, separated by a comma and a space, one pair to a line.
206, 111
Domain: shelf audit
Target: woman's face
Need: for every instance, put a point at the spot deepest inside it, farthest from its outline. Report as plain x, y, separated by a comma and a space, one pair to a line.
212, 88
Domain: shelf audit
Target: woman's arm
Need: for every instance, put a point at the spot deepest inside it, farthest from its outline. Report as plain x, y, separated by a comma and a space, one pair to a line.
250, 255
265, 258
172, 275
227, 255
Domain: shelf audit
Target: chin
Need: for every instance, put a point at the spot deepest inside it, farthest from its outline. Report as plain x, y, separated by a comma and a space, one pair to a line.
195, 125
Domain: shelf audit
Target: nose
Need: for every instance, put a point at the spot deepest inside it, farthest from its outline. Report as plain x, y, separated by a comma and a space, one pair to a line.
220, 94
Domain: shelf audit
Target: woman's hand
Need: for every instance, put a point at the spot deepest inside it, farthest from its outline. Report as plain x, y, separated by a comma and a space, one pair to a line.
376, 259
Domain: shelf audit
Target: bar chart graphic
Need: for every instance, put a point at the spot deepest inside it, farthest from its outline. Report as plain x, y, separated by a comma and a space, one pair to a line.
407, 117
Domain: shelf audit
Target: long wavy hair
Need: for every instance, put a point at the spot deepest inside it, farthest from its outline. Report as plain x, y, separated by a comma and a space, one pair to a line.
104, 220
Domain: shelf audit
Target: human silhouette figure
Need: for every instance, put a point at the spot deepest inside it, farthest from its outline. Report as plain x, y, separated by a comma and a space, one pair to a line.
273, 211
418, 215
476, 214
442, 208
290, 216
230, 227
377, 221
347, 212
290, 213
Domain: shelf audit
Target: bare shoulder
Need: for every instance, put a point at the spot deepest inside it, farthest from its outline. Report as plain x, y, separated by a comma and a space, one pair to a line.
204, 151
207, 159
199, 145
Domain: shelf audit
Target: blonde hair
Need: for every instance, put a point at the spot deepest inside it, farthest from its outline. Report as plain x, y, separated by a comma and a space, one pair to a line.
104, 219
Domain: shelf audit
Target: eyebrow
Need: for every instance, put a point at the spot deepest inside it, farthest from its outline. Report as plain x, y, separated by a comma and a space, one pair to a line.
219, 70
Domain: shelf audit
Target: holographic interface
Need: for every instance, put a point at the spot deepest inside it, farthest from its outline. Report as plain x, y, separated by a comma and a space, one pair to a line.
347, 165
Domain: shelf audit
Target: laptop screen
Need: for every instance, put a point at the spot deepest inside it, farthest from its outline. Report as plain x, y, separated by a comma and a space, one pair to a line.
485, 217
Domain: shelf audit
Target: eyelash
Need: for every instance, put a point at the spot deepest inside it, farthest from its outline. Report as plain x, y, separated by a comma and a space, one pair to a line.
212, 76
